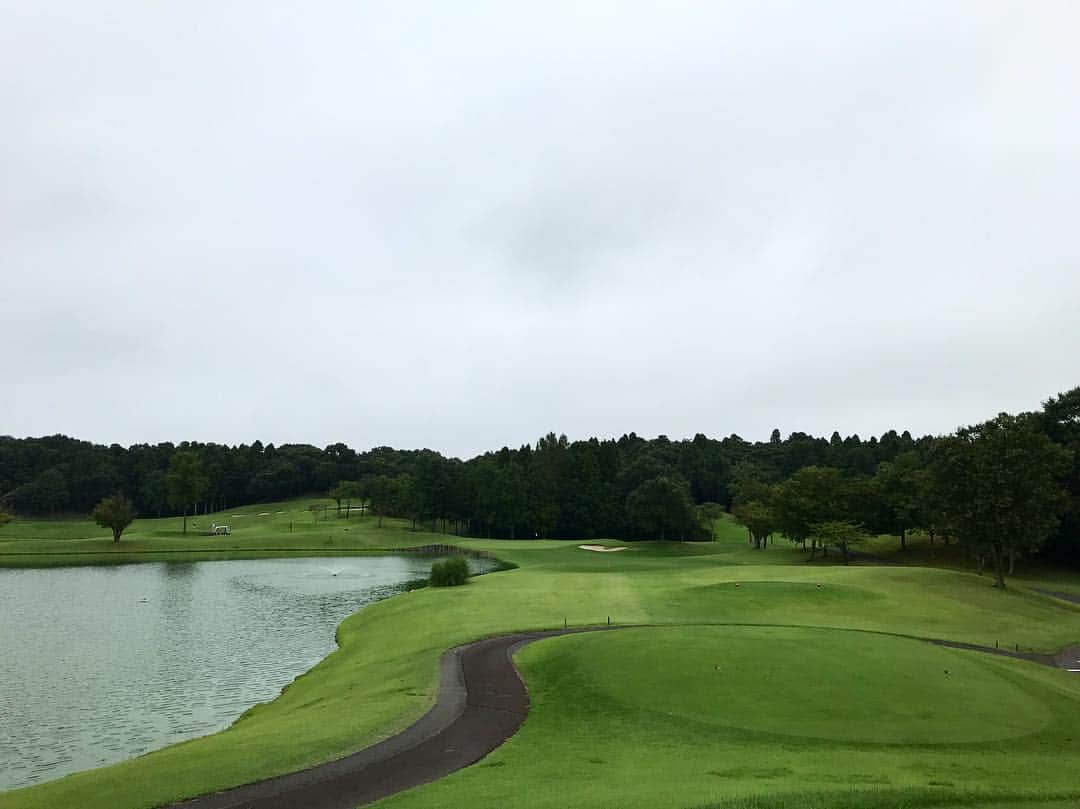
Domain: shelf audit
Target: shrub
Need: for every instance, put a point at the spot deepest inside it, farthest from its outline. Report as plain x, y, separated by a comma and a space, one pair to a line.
449, 572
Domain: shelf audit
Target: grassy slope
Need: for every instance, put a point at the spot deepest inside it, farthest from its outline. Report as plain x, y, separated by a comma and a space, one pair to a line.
600, 723
286, 528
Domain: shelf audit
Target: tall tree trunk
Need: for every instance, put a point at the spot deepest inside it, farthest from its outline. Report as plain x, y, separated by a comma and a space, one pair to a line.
185, 520
999, 565
813, 549
843, 547
903, 539
1012, 560
115, 535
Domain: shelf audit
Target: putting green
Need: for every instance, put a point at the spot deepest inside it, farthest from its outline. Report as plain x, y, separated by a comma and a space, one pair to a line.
824, 684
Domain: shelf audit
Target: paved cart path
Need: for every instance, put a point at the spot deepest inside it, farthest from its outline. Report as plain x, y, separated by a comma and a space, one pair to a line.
482, 701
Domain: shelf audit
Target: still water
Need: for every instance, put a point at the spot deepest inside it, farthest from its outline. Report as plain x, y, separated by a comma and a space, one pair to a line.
99, 664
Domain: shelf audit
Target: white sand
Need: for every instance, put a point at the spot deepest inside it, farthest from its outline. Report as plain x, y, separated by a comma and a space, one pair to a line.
600, 548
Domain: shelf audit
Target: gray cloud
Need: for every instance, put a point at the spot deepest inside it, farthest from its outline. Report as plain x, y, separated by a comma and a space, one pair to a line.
417, 225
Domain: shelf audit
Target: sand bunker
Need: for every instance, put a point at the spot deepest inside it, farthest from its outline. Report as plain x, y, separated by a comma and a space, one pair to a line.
600, 548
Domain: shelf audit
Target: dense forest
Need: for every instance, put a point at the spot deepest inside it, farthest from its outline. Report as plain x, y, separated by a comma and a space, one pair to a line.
804, 487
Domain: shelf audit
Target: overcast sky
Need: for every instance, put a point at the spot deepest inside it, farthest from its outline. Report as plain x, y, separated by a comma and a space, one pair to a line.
462, 225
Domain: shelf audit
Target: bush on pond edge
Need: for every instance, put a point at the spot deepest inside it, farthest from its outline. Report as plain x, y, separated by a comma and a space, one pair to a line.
449, 572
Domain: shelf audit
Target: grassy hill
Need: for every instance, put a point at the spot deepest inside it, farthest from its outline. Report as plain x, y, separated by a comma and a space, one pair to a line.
751, 681
284, 528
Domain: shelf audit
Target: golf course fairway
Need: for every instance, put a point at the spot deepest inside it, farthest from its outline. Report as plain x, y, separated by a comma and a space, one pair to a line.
749, 679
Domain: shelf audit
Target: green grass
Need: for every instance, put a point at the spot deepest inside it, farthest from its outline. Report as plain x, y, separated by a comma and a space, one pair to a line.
808, 683
914, 798
268, 529
771, 694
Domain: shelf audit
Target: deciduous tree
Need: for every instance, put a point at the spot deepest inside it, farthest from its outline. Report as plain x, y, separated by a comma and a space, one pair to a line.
897, 485
758, 520
1000, 483
186, 481
814, 494
115, 513
661, 507
840, 534
347, 491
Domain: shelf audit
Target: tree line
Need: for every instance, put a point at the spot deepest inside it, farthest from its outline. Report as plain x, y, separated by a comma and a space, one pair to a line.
1004, 488
1007, 486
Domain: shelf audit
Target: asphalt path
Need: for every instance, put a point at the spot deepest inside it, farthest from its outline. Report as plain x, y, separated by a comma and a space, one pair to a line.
482, 701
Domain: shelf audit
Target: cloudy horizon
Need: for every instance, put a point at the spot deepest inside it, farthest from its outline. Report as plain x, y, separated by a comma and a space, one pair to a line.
423, 226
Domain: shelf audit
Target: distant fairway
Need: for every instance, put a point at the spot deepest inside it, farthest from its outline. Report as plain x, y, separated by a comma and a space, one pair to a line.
758, 682
266, 529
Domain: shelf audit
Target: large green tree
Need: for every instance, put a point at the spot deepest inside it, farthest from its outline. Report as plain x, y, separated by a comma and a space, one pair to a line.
115, 513
380, 494
186, 480
840, 534
1060, 420
813, 495
898, 486
758, 520
154, 490
502, 497
1000, 486
347, 491
661, 507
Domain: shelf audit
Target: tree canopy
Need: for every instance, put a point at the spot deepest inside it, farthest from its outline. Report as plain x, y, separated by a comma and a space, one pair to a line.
627, 488
186, 481
1000, 483
115, 513
661, 508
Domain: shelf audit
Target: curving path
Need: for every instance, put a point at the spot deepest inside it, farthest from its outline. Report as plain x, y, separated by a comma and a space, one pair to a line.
482, 701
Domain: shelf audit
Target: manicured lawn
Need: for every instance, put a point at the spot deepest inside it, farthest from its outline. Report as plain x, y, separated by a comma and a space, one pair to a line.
694, 716
286, 528
749, 684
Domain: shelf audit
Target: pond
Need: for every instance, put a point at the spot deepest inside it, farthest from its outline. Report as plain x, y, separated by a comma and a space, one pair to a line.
103, 663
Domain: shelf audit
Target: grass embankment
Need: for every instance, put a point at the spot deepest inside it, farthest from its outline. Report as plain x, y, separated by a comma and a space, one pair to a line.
757, 696
268, 529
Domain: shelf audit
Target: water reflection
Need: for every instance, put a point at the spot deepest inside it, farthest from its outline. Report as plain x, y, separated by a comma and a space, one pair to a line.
99, 664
